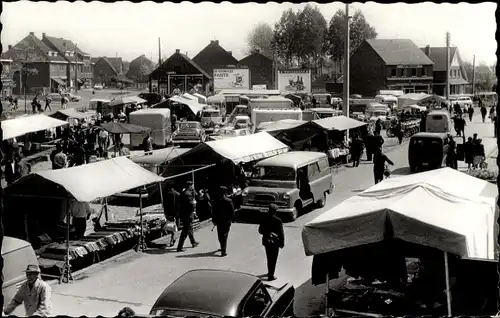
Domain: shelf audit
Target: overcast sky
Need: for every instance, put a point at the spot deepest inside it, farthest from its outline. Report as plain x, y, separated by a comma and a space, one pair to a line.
130, 29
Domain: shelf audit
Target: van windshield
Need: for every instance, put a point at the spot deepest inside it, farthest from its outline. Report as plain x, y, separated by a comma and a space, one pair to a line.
210, 114
274, 173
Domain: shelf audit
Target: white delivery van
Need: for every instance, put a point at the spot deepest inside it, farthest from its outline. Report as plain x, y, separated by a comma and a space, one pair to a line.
262, 115
438, 121
158, 119
388, 100
275, 102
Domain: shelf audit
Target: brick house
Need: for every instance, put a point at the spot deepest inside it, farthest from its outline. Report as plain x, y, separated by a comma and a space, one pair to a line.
107, 70
390, 64
79, 67
139, 69
50, 67
214, 56
458, 77
261, 69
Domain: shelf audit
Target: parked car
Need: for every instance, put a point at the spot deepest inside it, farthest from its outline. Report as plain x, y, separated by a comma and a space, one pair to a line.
188, 133
220, 293
151, 98
98, 86
463, 101
72, 97
228, 132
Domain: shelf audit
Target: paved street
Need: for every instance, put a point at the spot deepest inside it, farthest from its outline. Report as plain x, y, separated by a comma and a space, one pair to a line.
136, 279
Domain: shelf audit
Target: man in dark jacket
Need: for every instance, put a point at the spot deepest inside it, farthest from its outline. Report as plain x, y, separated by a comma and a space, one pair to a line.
451, 157
16, 168
378, 127
471, 112
356, 150
223, 216
171, 203
273, 238
484, 111
379, 160
186, 215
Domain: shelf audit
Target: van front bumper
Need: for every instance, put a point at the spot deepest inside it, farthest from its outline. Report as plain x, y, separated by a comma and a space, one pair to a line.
261, 209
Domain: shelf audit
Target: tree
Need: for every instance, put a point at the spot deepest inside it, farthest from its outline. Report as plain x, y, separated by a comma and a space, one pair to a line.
310, 31
360, 30
261, 38
285, 38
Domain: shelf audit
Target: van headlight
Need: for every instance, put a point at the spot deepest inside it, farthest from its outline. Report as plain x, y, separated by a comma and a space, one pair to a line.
244, 193
286, 196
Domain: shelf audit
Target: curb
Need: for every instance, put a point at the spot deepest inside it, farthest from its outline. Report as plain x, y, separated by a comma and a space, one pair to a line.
78, 274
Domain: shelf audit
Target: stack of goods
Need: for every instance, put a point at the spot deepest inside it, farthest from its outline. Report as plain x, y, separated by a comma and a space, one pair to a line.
57, 251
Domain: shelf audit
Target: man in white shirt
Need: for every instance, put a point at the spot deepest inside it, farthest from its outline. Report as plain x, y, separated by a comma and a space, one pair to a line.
80, 211
34, 293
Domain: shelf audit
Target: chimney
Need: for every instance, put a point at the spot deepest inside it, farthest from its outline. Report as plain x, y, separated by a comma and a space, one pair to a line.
32, 33
257, 51
177, 51
186, 53
43, 35
230, 53
10, 46
217, 42
428, 50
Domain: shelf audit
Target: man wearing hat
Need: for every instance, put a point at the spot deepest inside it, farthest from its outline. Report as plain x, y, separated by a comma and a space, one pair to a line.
186, 215
34, 293
223, 217
273, 238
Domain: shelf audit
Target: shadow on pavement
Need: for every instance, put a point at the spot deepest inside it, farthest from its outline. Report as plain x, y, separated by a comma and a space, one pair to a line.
197, 255
401, 171
153, 250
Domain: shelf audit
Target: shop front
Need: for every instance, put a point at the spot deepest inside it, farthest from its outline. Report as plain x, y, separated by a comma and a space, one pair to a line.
410, 85
178, 73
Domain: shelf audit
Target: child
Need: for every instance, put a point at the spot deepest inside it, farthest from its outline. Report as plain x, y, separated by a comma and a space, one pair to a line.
170, 228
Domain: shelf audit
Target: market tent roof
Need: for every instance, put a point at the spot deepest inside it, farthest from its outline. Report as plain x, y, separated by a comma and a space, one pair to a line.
280, 125
192, 104
126, 100
444, 209
70, 113
417, 107
85, 183
124, 128
411, 98
339, 123
27, 124
242, 148
157, 157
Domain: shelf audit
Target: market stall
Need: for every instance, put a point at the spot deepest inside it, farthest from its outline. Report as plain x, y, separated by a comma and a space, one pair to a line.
119, 128
275, 127
192, 104
123, 100
45, 196
23, 125
411, 216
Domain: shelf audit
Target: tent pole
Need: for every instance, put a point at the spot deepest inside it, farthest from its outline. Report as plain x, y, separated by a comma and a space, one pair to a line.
106, 215
66, 273
447, 274
327, 290
160, 184
142, 243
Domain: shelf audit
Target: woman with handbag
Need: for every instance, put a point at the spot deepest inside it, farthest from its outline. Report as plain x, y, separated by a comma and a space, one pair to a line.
273, 238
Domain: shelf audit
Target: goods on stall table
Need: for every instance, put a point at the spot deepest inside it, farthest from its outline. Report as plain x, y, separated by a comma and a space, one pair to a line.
410, 127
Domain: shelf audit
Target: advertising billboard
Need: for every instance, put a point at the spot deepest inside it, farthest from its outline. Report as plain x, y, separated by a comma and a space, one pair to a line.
294, 81
231, 78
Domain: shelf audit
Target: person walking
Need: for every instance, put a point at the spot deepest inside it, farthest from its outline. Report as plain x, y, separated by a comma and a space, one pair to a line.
378, 127
479, 154
470, 111
273, 238
379, 160
186, 215
223, 216
451, 156
171, 203
81, 212
484, 111
60, 158
356, 150
399, 131
48, 100
204, 204
469, 153
35, 294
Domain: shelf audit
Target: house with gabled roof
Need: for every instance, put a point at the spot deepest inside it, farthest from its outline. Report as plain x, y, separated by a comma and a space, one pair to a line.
108, 71
178, 71
390, 64
79, 70
214, 56
139, 70
457, 77
261, 69
36, 67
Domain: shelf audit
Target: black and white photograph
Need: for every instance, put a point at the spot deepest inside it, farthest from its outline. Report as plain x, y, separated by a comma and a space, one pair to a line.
206, 159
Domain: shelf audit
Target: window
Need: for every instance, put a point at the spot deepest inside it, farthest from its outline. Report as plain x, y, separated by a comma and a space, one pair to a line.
399, 72
413, 72
459, 73
257, 303
275, 173
312, 170
424, 71
393, 72
323, 164
61, 67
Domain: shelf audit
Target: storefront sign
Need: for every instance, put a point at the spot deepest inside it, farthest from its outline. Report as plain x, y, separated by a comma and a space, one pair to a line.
294, 81
231, 78
409, 66
259, 87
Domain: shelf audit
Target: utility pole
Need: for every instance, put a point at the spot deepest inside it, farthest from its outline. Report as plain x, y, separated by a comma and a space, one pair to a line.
346, 66
76, 68
159, 68
474, 75
447, 65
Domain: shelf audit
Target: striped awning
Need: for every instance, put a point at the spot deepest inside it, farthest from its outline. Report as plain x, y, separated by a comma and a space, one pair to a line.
59, 81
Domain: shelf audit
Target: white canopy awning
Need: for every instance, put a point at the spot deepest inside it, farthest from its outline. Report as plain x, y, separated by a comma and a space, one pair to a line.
340, 123
443, 209
127, 100
280, 125
85, 183
22, 125
192, 104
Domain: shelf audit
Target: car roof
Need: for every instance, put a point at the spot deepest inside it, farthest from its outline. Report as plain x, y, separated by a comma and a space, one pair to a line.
430, 135
292, 159
189, 122
211, 291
